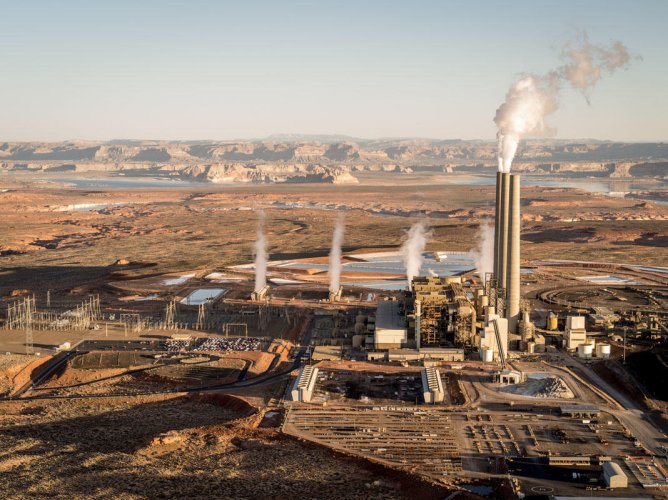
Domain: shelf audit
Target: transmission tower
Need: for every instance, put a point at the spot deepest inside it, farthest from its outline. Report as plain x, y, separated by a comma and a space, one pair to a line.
30, 304
170, 315
201, 315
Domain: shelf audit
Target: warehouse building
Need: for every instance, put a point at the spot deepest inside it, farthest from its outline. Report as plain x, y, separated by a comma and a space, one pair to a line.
614, 476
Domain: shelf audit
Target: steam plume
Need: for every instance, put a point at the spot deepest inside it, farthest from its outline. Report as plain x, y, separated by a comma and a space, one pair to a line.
412, 248
260, 254
483, 254
335, 255
534, 97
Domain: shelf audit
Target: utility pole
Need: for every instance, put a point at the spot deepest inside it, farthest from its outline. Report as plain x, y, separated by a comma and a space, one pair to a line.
624, 353
30, 348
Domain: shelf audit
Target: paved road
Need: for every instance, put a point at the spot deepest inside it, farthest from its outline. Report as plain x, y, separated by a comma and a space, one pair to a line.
260, 379
632, 416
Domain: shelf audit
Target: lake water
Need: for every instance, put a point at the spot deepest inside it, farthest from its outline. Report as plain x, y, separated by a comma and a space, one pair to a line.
125, 183
610, 187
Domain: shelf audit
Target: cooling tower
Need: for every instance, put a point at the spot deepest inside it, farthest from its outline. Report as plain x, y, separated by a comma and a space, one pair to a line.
497, 219
513, 256
503, 229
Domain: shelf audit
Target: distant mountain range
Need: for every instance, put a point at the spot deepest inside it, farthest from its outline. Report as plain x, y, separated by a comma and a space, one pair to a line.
298, 158
325, 148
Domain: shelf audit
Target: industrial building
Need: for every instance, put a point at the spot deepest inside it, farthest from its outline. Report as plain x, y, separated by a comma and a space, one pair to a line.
614, 476
579, 411
426, 353
390, 332
302, 389
260, 294
508, 377
494, 337
327, 353
432, 386
576, 334
442, 313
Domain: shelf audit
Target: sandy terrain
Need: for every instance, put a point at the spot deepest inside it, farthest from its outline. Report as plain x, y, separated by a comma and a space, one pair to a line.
174, 447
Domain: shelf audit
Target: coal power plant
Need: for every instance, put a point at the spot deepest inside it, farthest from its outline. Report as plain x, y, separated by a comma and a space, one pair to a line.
341, 308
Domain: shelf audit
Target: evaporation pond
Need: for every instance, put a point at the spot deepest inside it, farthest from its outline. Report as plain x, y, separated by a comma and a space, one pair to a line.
202, 296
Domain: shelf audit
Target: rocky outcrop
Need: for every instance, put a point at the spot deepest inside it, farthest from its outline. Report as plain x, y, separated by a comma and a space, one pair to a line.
238, 173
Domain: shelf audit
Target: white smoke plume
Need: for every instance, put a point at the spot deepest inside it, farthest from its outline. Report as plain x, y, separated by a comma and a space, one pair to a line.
534, 97
413, 247
335, 255
483, 254
260, 253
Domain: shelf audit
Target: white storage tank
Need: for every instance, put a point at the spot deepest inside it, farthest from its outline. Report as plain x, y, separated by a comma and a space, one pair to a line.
531, 347
603, 351
585, 350
487, 354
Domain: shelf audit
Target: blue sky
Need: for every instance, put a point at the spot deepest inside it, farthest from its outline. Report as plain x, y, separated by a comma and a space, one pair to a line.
241, 69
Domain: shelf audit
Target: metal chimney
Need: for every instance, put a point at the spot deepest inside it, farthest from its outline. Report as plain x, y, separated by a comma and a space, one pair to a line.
513, 249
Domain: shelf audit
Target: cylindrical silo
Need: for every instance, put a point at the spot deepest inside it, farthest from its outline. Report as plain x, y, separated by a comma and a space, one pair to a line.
513, 265
487, 354
603, 351
484, 302
552, 322
585, 350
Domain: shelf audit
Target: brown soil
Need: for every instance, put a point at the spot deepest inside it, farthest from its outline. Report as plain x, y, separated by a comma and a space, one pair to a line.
175, 447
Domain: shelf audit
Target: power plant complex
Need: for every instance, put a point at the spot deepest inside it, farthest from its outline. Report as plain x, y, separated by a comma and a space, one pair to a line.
453, 312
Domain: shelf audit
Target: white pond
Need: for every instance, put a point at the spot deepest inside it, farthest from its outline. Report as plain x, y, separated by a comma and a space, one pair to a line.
202, 296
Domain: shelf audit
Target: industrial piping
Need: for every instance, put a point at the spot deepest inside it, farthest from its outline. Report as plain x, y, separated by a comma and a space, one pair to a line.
513, 257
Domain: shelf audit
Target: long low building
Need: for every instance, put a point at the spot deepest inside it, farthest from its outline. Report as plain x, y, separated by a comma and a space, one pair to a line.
438, 353
302, 389
579, 411
432, 386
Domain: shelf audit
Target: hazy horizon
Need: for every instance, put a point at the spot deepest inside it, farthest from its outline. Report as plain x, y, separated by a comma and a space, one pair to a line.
177, 70
333, 137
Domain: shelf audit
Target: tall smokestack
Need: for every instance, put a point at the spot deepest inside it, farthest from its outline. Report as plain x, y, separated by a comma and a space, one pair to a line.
497, 208
503, 228
513, 265
412, 248
260, 254
335, 263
